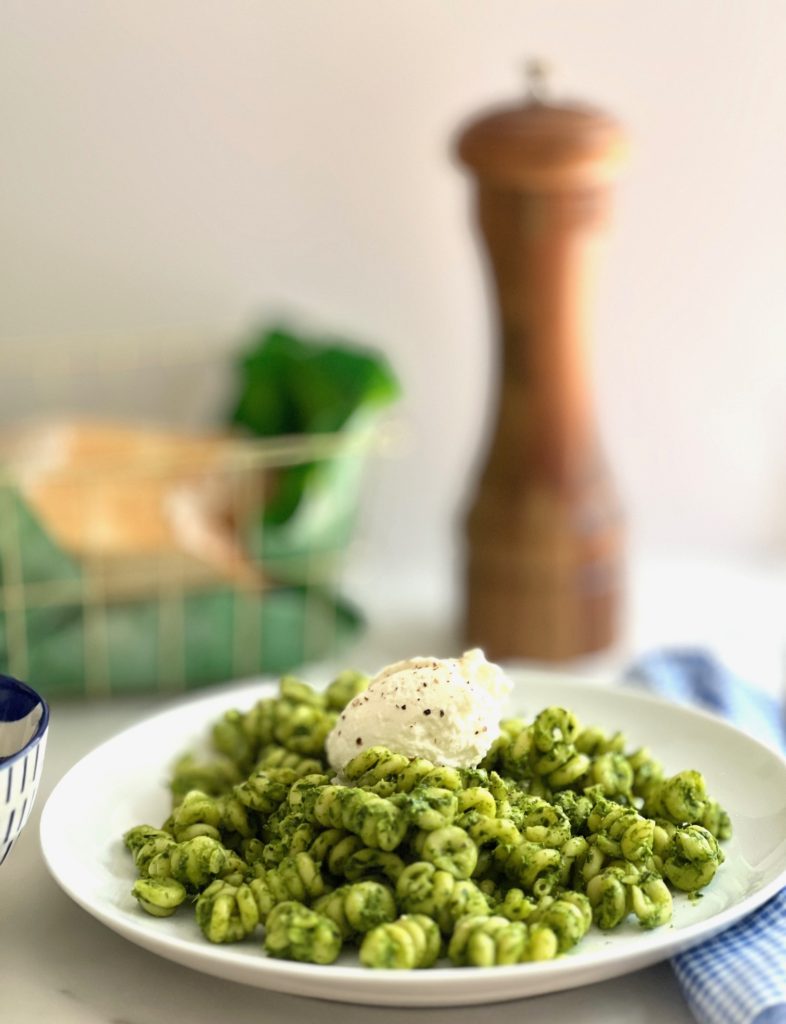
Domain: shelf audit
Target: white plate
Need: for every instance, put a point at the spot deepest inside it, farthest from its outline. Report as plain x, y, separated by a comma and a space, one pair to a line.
122, 783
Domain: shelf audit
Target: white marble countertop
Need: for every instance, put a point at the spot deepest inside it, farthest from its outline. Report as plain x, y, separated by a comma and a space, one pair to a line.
60, 964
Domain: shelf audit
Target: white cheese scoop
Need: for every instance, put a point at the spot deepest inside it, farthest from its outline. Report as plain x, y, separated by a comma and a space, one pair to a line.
445, 710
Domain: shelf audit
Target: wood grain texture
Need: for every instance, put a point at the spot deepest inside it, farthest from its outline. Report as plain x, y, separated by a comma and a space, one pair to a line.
544, 531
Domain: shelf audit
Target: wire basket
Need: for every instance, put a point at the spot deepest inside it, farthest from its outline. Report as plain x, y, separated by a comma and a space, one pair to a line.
83, 612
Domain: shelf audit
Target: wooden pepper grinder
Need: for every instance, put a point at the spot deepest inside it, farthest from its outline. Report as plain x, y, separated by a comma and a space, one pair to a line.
544, 531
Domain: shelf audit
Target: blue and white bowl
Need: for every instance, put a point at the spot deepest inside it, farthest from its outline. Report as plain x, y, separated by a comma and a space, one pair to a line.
24, 720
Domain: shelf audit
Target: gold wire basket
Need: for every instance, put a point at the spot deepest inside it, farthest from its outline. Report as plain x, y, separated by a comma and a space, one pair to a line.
82, 614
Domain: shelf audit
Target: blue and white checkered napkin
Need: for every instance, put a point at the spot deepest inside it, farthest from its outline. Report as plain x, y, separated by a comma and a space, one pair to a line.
738, 977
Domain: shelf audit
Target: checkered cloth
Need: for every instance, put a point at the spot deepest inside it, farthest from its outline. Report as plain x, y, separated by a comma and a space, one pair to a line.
738, 977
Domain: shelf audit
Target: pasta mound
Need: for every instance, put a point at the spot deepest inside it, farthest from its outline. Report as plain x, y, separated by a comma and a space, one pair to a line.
559, 828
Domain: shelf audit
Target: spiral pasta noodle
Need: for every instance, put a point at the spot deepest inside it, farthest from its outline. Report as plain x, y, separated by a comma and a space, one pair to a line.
378, 822
358, 907
226, 912
492, 941
296, 932
297, 878
160, 897
691, 858
422, 888
411, 941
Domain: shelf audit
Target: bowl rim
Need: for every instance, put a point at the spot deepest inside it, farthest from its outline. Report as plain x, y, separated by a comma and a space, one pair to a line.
43, 722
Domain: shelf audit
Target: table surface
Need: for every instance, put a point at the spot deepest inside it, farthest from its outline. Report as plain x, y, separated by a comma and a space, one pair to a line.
59, 963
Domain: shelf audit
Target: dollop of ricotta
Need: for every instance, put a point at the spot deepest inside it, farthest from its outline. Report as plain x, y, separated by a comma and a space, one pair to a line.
447, 710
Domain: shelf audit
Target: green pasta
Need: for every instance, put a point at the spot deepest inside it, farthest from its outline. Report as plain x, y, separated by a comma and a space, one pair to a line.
449, 848
159, 897
295, 932
490, 941
345, 686
609, 892
378, 822
196, 862
560, 828
541, 822
621, 832
358, 907
226, 912
380, 771
422, 888
334, 847
297, 878
265, 790
569, 917
679, 799
412, 940
692, 858
197, 815
431, 807
146, 844
275, 756
368, 863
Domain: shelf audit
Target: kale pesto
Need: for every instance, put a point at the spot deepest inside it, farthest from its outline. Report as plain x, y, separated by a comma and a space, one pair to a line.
559, 829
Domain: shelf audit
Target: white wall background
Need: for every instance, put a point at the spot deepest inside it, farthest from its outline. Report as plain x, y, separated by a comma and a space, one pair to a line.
178, 166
